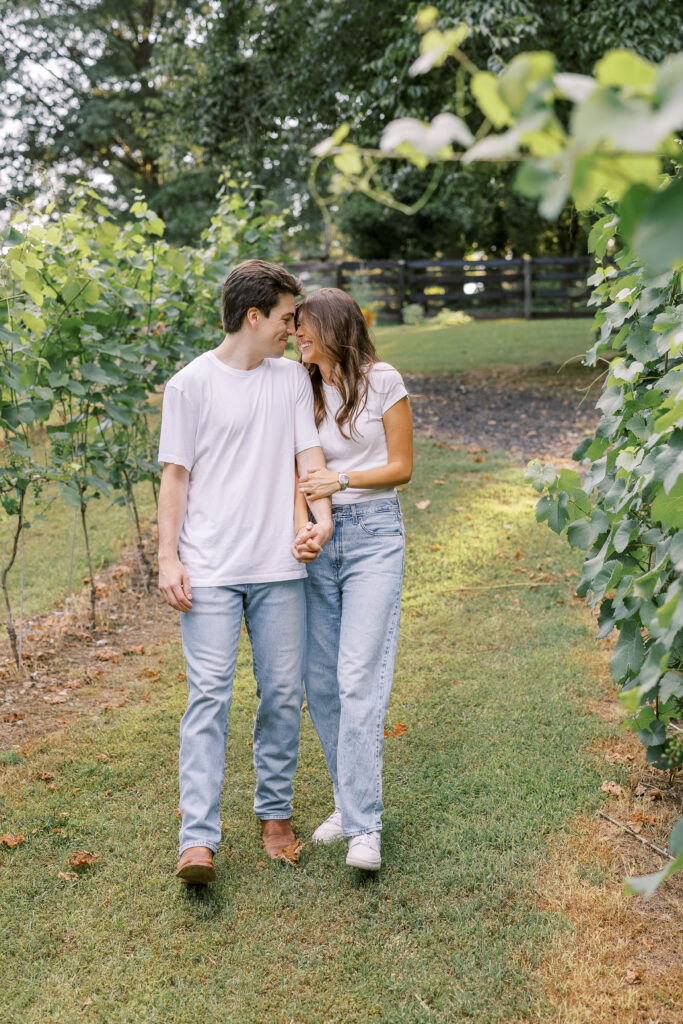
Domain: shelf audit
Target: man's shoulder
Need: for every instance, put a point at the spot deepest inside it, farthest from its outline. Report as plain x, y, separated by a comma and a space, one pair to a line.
193, 371
286, 366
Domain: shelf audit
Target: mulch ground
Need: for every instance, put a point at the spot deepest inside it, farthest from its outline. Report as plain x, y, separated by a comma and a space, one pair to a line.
538, 414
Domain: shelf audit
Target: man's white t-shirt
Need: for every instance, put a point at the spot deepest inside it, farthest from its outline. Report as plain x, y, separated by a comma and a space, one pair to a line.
237, 432
367, 447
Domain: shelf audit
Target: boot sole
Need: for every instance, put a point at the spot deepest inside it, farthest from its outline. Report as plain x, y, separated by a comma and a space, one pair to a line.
197, 874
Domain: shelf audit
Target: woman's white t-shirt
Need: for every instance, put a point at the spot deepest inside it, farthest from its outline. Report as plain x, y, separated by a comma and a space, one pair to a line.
237, 432
367, 447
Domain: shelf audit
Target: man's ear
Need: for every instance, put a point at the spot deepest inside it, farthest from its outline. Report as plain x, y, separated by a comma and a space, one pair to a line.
253, 316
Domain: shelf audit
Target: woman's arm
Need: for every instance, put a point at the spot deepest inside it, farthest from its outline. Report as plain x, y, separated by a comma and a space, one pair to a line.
300, 505
398, 426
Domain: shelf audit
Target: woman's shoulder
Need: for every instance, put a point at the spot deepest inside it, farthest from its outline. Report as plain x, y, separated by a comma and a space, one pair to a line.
383, 376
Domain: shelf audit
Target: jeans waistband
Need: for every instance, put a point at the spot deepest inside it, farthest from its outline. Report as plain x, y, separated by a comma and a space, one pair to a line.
358, 509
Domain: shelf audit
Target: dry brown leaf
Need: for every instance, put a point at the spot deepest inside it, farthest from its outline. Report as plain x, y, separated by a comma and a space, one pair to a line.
106, 654
457, 682
177, 813
55, 698
633, 977
135, 649
12, 716
436, 547
478, 458
612, 787
10, 840
82, 859
291, 853
398, 730
68, 876
46, 776
103, 757
73, 684
422, 505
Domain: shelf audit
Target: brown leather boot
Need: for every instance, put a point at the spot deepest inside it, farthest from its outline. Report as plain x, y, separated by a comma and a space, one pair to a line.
279, 840
196, 866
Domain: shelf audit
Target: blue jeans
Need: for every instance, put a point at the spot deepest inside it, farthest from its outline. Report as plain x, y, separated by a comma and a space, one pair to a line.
275, 618
353, 609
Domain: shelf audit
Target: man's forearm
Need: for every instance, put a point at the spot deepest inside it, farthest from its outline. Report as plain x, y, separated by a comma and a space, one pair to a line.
172, 508
313, 458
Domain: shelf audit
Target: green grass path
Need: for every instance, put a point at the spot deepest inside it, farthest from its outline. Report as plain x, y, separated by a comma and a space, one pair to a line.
488, 773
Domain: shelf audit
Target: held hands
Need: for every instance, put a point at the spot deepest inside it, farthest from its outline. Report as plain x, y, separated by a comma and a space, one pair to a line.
319, 483
310, 540
174, 584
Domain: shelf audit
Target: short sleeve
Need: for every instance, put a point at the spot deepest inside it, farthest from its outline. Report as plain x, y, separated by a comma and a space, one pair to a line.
305, 432
388, 383
178, 428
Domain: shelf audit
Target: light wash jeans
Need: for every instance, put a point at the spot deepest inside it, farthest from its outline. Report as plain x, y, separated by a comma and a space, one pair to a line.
275, 618
353, 609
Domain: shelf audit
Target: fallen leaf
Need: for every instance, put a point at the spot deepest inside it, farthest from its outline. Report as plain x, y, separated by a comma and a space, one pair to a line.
89, 1002
13, 716
633, 977
149, 673
82, 859
291, 853
177, 814
422, 505
457, 682
46, 776
10, 840
73, 684
436, 547
612, 787
106, 654
103, 757
398, 730
135, 649
655, 794
68, 876
635, 826
478, 458
518, 554
55, 698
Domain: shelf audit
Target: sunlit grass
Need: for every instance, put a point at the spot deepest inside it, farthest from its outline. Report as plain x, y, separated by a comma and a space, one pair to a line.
483, 344
492, 767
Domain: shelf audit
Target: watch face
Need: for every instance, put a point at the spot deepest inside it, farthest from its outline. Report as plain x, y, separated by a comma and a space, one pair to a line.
344, 481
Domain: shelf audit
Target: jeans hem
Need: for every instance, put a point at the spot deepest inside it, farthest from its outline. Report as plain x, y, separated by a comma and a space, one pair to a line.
362, 832
273, 817
201, 842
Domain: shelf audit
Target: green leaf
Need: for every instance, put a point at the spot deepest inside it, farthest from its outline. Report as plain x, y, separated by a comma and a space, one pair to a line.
623, 535
658, 237
623, 67
486, 93
555, 513
646, 885
584, 532
668, 508
540, 475
676, 838
629, 652
671, 685
670, 419
654, 735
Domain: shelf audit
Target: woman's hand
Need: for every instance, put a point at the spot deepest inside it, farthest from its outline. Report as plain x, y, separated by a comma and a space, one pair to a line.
319, 483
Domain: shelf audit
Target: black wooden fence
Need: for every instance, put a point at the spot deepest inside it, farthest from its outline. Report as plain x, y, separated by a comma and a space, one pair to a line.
553, 286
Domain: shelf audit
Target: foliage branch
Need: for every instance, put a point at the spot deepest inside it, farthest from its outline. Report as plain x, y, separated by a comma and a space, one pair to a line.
607, 142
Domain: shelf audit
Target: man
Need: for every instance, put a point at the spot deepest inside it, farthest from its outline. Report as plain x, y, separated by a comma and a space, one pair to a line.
234, 419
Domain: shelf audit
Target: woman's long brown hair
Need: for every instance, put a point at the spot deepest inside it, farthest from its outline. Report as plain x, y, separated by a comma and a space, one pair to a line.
343, 335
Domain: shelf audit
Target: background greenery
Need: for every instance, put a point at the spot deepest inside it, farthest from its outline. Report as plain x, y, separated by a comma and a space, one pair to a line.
161, 95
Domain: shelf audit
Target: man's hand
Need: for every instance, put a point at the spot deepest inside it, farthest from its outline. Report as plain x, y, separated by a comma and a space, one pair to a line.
174, 584
310, 540
319, 483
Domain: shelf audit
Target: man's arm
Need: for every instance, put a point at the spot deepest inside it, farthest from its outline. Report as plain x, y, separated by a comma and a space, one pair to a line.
174, 582
314, 540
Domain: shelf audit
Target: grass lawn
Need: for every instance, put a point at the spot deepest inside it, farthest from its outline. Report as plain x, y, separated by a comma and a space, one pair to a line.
483, 344
491, 770
51, 532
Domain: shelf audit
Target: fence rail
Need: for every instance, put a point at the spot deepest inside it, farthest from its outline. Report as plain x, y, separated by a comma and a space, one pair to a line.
529, 287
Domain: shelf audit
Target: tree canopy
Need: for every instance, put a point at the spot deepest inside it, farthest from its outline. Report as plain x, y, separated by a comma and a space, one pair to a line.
161, 95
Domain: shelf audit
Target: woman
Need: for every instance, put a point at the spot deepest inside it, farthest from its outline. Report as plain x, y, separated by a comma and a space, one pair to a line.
353, 590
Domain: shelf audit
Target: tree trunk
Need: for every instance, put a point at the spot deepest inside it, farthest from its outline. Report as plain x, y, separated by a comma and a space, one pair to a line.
93, 588
11, 631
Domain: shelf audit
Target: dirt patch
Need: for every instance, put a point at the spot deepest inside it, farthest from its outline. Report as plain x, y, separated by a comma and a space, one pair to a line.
539, 413
70, 670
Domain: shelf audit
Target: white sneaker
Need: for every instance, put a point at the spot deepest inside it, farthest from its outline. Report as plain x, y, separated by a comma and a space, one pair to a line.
330, 829
364, 852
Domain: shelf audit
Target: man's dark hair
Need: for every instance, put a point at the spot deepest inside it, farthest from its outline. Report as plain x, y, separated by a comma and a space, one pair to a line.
254, 283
